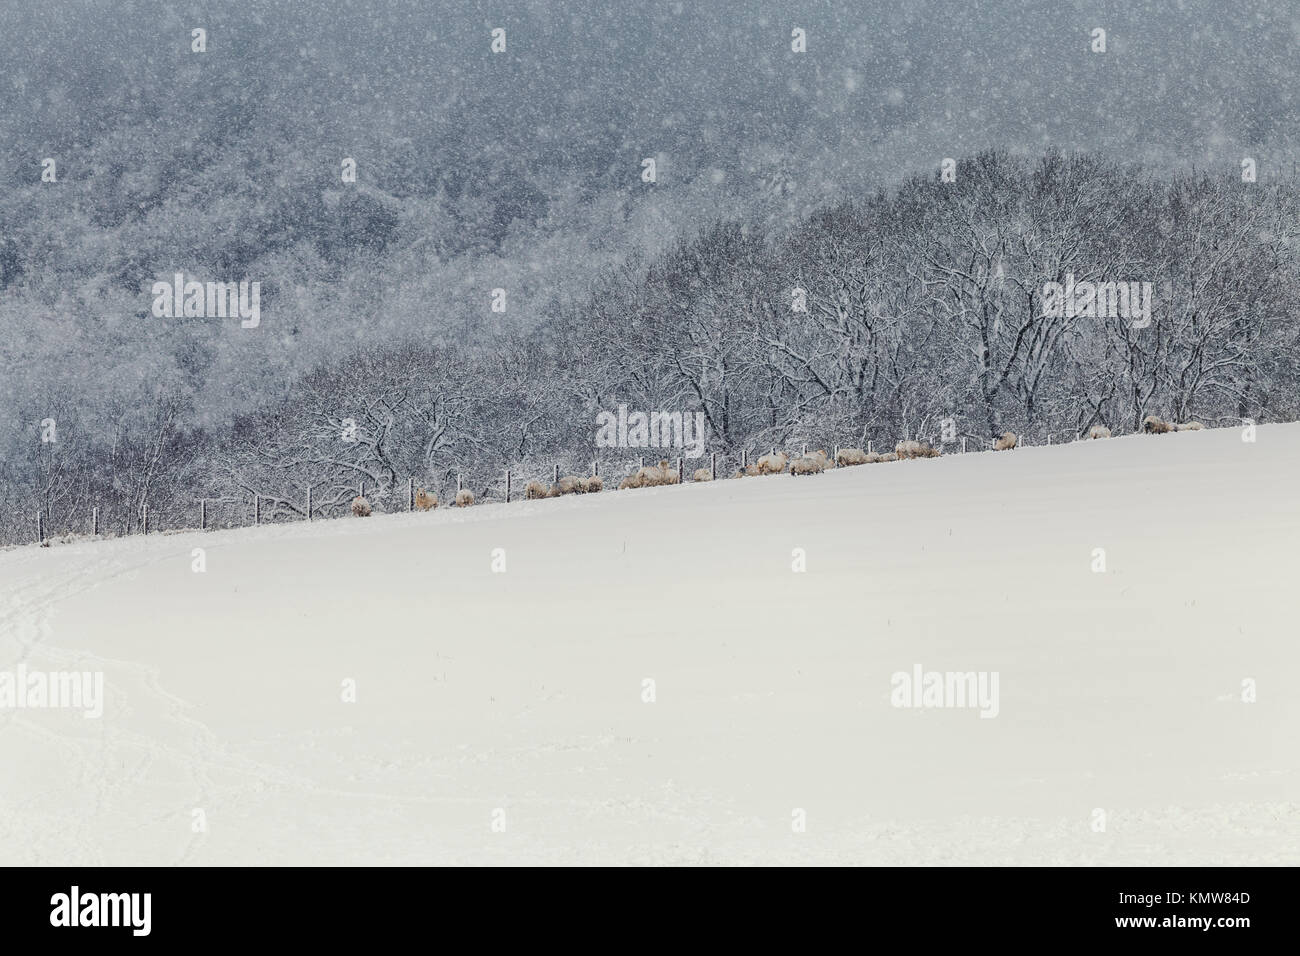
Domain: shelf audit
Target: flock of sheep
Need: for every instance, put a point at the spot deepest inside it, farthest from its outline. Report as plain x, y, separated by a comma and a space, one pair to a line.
775, 463
424, 501
1154, 426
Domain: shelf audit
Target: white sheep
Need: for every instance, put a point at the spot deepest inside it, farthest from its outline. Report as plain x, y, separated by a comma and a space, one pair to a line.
1098, 431
652, 475
360, 507
915, 449
808, 465
464, 498
1006, 442
570, 485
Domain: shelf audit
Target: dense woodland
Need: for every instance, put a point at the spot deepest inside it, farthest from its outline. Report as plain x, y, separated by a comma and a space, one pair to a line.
922, 302
126, 156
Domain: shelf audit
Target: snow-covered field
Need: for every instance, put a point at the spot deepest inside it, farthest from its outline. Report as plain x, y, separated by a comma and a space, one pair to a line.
517, 698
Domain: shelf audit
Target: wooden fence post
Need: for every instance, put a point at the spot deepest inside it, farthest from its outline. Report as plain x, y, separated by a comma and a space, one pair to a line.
507, 486
40, 526
257, 510
555, 475
681, 470
203, 514
309, 509
94, 522
144, 518
713, 465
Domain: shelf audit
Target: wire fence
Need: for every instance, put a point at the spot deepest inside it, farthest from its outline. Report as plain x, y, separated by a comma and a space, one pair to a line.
317, 503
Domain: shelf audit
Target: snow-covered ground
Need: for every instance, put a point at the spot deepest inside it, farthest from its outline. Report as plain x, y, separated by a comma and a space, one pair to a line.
517, 698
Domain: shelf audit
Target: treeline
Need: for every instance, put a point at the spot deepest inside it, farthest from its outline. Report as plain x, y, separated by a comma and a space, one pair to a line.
871, 320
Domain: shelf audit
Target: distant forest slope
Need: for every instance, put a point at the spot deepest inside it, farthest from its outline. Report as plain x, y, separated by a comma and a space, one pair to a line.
872, 319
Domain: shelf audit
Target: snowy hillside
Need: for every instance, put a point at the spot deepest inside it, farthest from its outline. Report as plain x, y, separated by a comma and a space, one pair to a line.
502, 717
